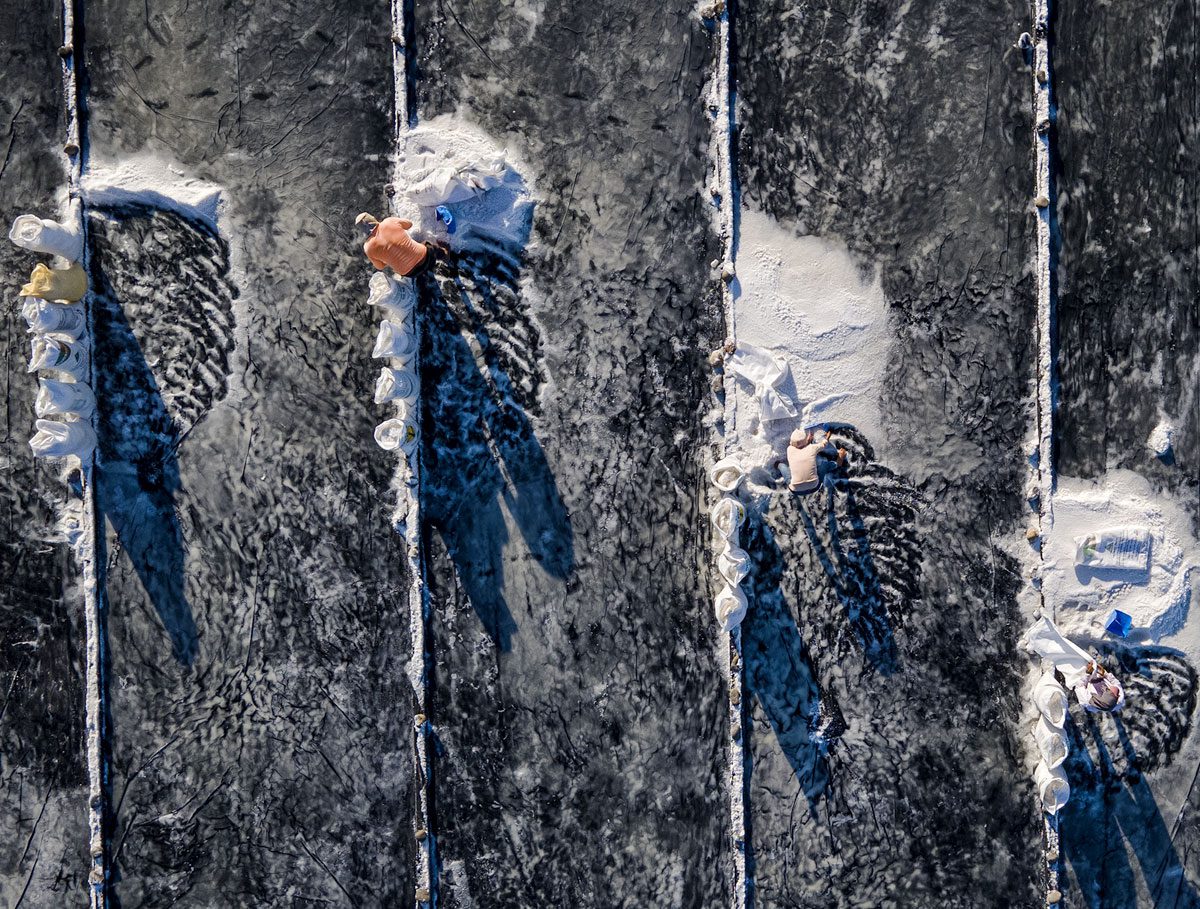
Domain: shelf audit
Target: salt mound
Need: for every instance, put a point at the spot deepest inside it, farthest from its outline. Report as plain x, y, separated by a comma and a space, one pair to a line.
445, 161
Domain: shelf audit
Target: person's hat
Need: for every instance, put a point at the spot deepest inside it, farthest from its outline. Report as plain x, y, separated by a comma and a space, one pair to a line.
366, 222
799, 435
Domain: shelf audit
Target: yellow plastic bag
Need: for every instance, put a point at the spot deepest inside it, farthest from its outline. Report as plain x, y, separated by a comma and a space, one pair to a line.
68, 284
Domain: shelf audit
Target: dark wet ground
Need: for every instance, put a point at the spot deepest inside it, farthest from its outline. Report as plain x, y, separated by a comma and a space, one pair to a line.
1128, 140
1129, 331
262, 719
43, 777
906, 134
579, 697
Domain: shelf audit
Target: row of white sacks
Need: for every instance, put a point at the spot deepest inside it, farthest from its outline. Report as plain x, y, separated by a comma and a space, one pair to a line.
1078, 668
398, 382
733, 562
59, 349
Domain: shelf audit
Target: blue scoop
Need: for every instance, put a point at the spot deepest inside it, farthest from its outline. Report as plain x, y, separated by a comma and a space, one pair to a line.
1118, 623
444, 215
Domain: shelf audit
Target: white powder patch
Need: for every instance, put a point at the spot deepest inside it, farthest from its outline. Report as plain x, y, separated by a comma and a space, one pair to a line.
807, 300
1122, 504
154, 182
150, 181
447, 161
1162, 438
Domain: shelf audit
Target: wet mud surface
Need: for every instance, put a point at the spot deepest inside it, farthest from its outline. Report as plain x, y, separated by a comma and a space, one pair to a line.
579, 700
1129, 335
905, 133
1129, 219
43, 777
262, 733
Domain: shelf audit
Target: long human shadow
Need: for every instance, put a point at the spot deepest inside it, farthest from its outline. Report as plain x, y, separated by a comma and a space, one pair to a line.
137, 473
779, 670
480, 457
1109, 809
851, 569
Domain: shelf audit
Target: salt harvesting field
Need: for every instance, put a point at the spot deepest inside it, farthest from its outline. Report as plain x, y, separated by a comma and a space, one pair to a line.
324, 585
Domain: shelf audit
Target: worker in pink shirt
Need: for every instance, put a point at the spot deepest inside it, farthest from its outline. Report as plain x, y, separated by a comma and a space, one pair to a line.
389, 245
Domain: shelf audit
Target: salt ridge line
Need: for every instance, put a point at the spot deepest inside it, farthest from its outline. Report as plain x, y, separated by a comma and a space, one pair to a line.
86, 546
720, 104
1043, 469
407, 517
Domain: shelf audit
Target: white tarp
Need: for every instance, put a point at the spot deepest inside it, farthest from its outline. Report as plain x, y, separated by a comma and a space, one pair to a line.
1044, 639
765, 371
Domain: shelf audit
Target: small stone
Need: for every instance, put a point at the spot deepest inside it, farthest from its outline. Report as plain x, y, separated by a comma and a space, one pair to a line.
419, 719
1041, 201
1053, 897
97, 850
66, 50
728, 273
1042, 77
715, 263
1043, 126
422, 894
1031, 534
421, 834
97, 876
71, 149
717, 385
1052, 855
398, 39
735, 696
389, 189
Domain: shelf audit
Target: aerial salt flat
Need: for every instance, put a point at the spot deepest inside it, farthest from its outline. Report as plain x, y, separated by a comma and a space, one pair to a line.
516, 608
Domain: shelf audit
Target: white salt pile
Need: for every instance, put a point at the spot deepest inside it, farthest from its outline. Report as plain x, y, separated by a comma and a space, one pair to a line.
450, 163
1162, 438
1138, 555
807, 300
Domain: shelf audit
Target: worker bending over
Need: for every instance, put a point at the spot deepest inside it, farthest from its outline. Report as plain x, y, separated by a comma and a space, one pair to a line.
805, 457
390, 245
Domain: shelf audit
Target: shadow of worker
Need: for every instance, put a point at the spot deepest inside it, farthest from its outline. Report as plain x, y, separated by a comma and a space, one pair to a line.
483, 469
779, 670
1112, 808
137, 473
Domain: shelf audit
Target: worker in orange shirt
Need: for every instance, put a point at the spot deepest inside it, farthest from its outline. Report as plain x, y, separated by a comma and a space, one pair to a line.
389, 245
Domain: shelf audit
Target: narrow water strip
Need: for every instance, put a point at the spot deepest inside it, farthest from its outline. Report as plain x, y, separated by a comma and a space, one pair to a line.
407, 521
90, 558
1043, 469
721, 99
